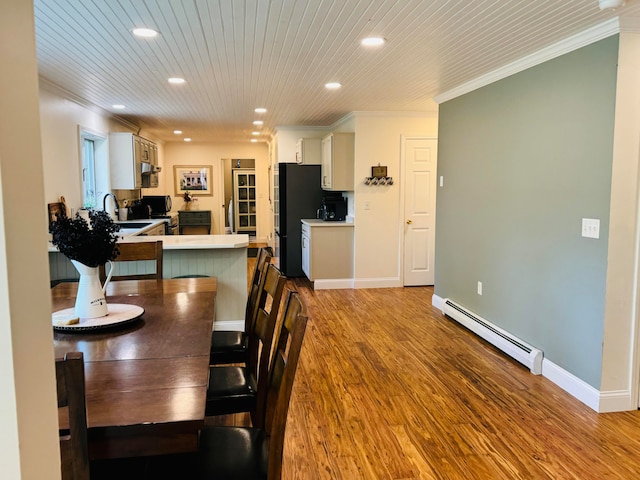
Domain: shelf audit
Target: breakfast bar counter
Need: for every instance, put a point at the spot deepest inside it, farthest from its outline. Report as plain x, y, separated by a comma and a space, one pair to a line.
221, 256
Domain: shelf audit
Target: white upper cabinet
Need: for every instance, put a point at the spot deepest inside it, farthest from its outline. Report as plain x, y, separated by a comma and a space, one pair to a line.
127, 154
338, 161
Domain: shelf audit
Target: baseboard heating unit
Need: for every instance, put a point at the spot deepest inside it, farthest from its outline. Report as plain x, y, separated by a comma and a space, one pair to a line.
529, 356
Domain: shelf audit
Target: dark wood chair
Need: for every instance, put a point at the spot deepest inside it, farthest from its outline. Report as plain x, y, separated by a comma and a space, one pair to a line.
235, 388
74, 453
248, 453
138, 251
229, 346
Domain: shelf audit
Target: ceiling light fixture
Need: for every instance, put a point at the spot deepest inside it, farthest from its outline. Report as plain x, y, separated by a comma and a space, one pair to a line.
258, 122
260, 110
177, 80
610, 4
117, 106
332, 85
372, 41
187, 139
178, 132
144, 32
253, 140
255, 133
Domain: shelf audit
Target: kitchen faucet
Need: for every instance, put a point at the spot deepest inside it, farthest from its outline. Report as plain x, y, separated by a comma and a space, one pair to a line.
115, 201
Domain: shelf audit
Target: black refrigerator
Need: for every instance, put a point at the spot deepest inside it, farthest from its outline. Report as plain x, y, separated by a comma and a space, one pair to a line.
298, 195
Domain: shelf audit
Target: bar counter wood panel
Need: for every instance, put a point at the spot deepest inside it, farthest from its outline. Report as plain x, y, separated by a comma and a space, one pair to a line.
145, 382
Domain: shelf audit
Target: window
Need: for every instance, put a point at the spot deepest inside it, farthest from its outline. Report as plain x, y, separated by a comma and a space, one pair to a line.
88, 173
94, 165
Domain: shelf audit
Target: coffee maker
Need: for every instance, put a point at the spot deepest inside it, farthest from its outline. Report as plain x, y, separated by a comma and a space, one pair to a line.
333, 208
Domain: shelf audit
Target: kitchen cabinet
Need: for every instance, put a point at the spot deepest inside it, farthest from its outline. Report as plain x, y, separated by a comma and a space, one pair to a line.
127, 155
194, 222
157, 230
244, 200
309, 151
327, 250
338, 161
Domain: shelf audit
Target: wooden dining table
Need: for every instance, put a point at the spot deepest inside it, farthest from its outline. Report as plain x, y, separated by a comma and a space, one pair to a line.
145, 381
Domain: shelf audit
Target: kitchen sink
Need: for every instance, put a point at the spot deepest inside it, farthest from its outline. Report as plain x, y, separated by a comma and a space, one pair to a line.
133, 224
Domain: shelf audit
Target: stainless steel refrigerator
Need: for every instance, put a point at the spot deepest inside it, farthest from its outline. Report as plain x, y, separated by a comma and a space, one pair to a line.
298, 195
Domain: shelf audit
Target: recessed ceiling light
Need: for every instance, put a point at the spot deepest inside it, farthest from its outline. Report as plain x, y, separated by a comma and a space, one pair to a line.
610, 4
372, 41
255, 133
253, 140
117, 106
144, 32
178, 132
176, 80
187, 139
332, 85
258, 122
260, 110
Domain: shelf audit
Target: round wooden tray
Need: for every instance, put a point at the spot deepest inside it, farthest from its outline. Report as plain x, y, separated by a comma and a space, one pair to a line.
119, 314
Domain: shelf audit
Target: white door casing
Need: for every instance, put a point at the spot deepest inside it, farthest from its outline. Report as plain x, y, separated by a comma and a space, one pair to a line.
420, 163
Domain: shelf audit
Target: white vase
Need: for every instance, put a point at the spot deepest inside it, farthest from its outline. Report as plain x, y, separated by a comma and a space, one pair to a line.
90, 299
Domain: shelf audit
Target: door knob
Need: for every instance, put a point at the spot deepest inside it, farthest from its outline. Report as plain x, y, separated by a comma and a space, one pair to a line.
409, 222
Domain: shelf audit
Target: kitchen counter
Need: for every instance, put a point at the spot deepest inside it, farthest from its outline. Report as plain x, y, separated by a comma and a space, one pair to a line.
316, 222
194, 242
221, 256
327, 253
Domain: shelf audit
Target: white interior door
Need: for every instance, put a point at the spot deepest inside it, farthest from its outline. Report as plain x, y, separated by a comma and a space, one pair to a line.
420, 161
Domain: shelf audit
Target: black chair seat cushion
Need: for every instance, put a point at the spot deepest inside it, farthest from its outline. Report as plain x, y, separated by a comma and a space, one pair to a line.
229, 347
225, 453
230, 390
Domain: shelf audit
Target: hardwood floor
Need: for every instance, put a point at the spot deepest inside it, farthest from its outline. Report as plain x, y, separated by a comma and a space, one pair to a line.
388, 388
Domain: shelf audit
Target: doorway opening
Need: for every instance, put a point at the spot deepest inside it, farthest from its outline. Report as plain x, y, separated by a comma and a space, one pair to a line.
240, 199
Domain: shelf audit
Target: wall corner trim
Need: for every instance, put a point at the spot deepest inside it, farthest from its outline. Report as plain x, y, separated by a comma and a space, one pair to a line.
582, 39
438, 302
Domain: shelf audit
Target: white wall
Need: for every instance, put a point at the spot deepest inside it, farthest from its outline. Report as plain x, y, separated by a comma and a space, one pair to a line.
59, 121
378, 231
28, 414
180, 153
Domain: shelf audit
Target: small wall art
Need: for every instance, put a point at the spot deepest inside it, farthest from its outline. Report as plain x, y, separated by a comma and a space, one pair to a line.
193, 178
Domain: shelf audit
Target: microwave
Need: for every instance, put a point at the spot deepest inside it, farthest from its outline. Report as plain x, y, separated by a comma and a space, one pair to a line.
149, 174
160, 204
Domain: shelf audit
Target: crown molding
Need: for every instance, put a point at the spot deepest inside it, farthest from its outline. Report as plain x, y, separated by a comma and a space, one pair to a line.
582, 39
56, 89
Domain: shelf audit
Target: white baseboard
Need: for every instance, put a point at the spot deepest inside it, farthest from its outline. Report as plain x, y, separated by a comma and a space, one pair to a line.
616, 401
438, 302
384, 282
333, 284
233, 325
571, 384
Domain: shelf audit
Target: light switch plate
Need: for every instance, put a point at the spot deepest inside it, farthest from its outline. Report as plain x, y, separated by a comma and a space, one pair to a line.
591, 228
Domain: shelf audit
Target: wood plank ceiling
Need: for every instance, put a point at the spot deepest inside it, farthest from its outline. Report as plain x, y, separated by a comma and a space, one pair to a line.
240, 54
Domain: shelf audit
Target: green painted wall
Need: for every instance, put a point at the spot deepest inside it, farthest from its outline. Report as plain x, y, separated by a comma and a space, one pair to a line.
524, 160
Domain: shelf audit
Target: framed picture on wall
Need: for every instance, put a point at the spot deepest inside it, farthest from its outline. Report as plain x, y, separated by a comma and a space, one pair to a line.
196, 179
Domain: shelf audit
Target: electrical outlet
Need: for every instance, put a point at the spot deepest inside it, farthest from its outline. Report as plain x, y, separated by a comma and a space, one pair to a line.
591, 228
479, 288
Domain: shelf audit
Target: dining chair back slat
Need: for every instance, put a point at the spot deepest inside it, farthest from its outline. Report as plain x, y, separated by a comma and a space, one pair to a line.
138, 251
74, 453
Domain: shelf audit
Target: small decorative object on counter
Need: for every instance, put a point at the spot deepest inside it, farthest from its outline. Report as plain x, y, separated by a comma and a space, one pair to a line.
88, 245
